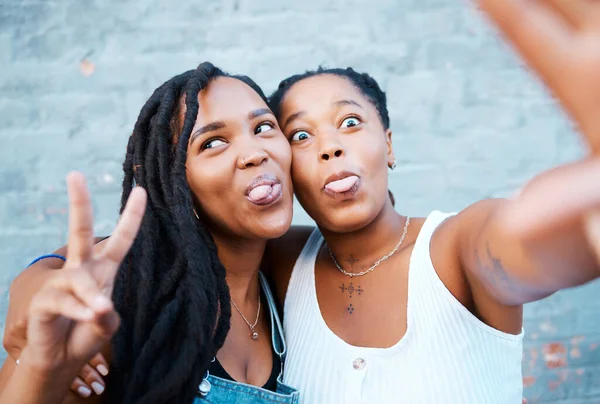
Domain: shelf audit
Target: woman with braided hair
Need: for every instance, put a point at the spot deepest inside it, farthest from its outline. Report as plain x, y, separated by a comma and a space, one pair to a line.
380, 307
209, 153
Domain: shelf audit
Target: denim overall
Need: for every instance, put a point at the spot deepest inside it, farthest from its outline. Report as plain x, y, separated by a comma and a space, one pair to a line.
220, 391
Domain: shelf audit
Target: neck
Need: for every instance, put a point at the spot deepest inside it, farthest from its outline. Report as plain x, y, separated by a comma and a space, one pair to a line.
242, 259
358, 250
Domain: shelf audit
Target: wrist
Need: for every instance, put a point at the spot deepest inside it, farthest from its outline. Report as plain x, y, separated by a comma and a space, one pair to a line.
44, 371
33, 382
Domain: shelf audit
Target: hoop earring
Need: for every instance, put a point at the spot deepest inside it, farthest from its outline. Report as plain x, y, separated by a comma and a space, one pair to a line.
196, 213
393, 166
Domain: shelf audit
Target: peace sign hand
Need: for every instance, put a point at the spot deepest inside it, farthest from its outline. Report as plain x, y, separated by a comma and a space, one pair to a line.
560, 39
72, 316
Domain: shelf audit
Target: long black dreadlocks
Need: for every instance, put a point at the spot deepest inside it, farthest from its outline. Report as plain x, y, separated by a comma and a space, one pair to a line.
170, 291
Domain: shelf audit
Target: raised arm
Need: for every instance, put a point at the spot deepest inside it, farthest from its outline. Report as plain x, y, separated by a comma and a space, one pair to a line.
514, 269
71, 317
22, 290
546, 239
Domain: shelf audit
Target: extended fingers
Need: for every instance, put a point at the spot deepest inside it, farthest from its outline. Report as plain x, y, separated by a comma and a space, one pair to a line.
538, 32
81, 229
124, 235
85, 288
129, 224
92, 379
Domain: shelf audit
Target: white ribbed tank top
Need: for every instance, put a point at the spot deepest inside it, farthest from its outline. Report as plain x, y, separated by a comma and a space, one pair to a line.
447, 356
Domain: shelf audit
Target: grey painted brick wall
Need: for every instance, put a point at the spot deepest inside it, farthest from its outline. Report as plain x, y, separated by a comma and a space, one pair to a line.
469, 121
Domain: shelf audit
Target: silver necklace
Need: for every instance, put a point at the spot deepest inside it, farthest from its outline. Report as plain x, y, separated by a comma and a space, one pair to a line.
379, 261
254, 334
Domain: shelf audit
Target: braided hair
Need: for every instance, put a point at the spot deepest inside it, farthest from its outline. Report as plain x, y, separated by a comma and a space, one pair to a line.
170, 290
362, 81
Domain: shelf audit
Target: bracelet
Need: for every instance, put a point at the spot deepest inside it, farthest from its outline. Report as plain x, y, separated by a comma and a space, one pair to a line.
47, 256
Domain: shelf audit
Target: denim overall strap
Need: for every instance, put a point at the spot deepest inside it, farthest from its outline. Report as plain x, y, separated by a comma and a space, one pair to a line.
276, 328
213, 389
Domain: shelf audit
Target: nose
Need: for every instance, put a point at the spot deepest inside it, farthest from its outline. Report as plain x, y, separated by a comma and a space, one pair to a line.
253, 158
331, 150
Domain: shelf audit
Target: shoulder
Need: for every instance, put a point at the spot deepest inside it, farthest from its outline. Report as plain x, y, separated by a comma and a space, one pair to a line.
466, 223
459, 228
281, 255
454, 235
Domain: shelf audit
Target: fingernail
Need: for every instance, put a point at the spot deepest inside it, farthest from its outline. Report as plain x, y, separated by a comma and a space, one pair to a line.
102, 369
84, 391
98, 388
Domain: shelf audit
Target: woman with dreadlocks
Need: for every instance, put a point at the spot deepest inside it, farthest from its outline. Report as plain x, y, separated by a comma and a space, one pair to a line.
215, 165
389, 303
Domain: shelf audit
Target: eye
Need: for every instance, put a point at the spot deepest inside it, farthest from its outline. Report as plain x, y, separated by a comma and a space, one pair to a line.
300, 136
211, 144
350, 122
263, 127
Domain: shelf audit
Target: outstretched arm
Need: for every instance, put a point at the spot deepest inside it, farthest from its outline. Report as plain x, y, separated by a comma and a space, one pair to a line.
545, 239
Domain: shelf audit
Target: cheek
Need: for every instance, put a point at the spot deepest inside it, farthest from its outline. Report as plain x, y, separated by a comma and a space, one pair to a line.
208, 182
371, 151
372, 145
283, 151
304, 173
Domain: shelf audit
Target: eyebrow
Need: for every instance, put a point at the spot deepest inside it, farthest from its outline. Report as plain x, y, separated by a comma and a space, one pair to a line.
341, 103
300, 114
220, 124
207, 128
292, 118
259, 112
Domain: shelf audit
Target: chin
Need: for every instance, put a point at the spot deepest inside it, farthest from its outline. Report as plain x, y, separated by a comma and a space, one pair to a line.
346, 220
276, 225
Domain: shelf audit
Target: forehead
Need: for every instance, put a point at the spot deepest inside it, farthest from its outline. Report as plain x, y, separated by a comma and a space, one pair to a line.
319, 92
227, 98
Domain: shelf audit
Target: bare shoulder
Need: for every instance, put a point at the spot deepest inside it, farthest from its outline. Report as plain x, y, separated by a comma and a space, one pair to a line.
38, 271
280, 257
468, 221
414, 228
443, 249
456, 230
455, 234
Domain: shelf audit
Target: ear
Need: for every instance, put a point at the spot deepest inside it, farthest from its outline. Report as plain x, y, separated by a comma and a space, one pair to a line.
390, 149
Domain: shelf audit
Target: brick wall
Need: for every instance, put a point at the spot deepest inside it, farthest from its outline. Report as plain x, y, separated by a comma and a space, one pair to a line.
469, 122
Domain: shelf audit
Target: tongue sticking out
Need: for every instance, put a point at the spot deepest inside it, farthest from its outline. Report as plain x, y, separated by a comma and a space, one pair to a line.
259, 193
342, 185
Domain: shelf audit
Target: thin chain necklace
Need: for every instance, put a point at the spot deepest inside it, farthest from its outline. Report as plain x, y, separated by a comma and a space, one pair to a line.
254, 334
379, 261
